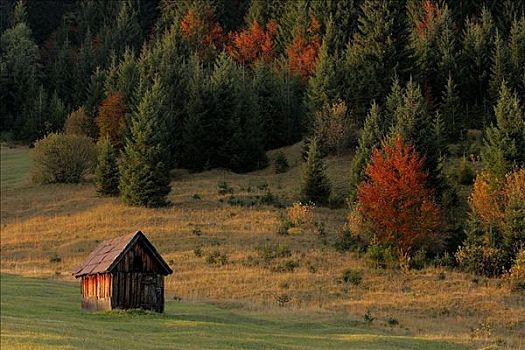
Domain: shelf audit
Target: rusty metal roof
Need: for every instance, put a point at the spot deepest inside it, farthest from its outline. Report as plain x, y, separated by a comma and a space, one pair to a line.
108, 253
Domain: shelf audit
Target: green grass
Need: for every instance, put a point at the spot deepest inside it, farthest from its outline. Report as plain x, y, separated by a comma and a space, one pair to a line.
15, 167
45, 314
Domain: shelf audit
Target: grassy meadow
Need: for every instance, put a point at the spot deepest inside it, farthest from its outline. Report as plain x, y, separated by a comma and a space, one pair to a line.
255, 299
58, 323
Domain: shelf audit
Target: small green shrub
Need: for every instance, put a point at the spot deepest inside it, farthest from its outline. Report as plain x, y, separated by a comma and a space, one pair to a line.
381, 257
351, 276
196, 197
55, 258
392, 321
444, 260
281, 163
367, 317
465, 173
517, 273
269, 252
283, 299
197, 251
216, 258
61, 158
285, 266
224, 188
419, 260
481, 260
284, 224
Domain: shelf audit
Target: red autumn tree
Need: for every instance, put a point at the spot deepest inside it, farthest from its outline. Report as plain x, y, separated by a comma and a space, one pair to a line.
302, 52
111, 118
247, 46
201, 30
395, 204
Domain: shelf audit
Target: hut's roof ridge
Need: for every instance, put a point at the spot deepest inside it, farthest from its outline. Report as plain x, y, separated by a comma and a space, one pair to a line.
108, 253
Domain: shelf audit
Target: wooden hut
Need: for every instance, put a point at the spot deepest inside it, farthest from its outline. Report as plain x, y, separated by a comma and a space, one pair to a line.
123, 273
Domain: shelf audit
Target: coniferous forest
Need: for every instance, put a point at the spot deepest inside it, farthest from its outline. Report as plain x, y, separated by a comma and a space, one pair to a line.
404, 86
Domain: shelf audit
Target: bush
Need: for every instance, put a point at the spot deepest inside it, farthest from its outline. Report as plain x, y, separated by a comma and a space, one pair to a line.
419, 260
217, 258
79, 123
517, 273
61, 158
465, 173
481, 260
351, 276
333, 129
285, 266
381, 257
270, 252
281, 163
284, 224
301, 215
224, 188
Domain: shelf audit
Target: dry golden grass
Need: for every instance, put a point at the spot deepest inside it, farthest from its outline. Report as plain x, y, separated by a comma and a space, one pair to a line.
48, 230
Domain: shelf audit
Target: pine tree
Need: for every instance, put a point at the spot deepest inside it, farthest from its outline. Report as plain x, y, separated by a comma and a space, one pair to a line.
370, 139
375, 54
224, 116
504, 143
106, 172
517, 56
499, 68
144, 175
247, 149
393, 102
322, 86
19, 73
414, 123
197, 127
478, 41
124, 77
450, 110
316, 186
95, 91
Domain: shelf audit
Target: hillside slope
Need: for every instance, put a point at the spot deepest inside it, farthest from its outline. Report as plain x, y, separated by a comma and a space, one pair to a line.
47, 230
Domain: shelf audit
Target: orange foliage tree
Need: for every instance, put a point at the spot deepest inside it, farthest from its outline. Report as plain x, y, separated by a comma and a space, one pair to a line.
302, 52
111, 118
395, 204
255, 43
490, 197
202, 31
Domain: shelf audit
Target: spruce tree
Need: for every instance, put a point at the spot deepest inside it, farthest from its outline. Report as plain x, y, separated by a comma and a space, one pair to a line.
322, 86
504, 143
197, 127
393, 101
376, 54
370, 138
95, 91
19, 71
516, 47
450, 110
316, 186
414, 123
499, 68
478, 41
106, 172
144, 174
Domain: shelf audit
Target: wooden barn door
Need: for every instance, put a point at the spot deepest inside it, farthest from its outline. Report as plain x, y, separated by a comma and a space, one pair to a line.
151, 291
